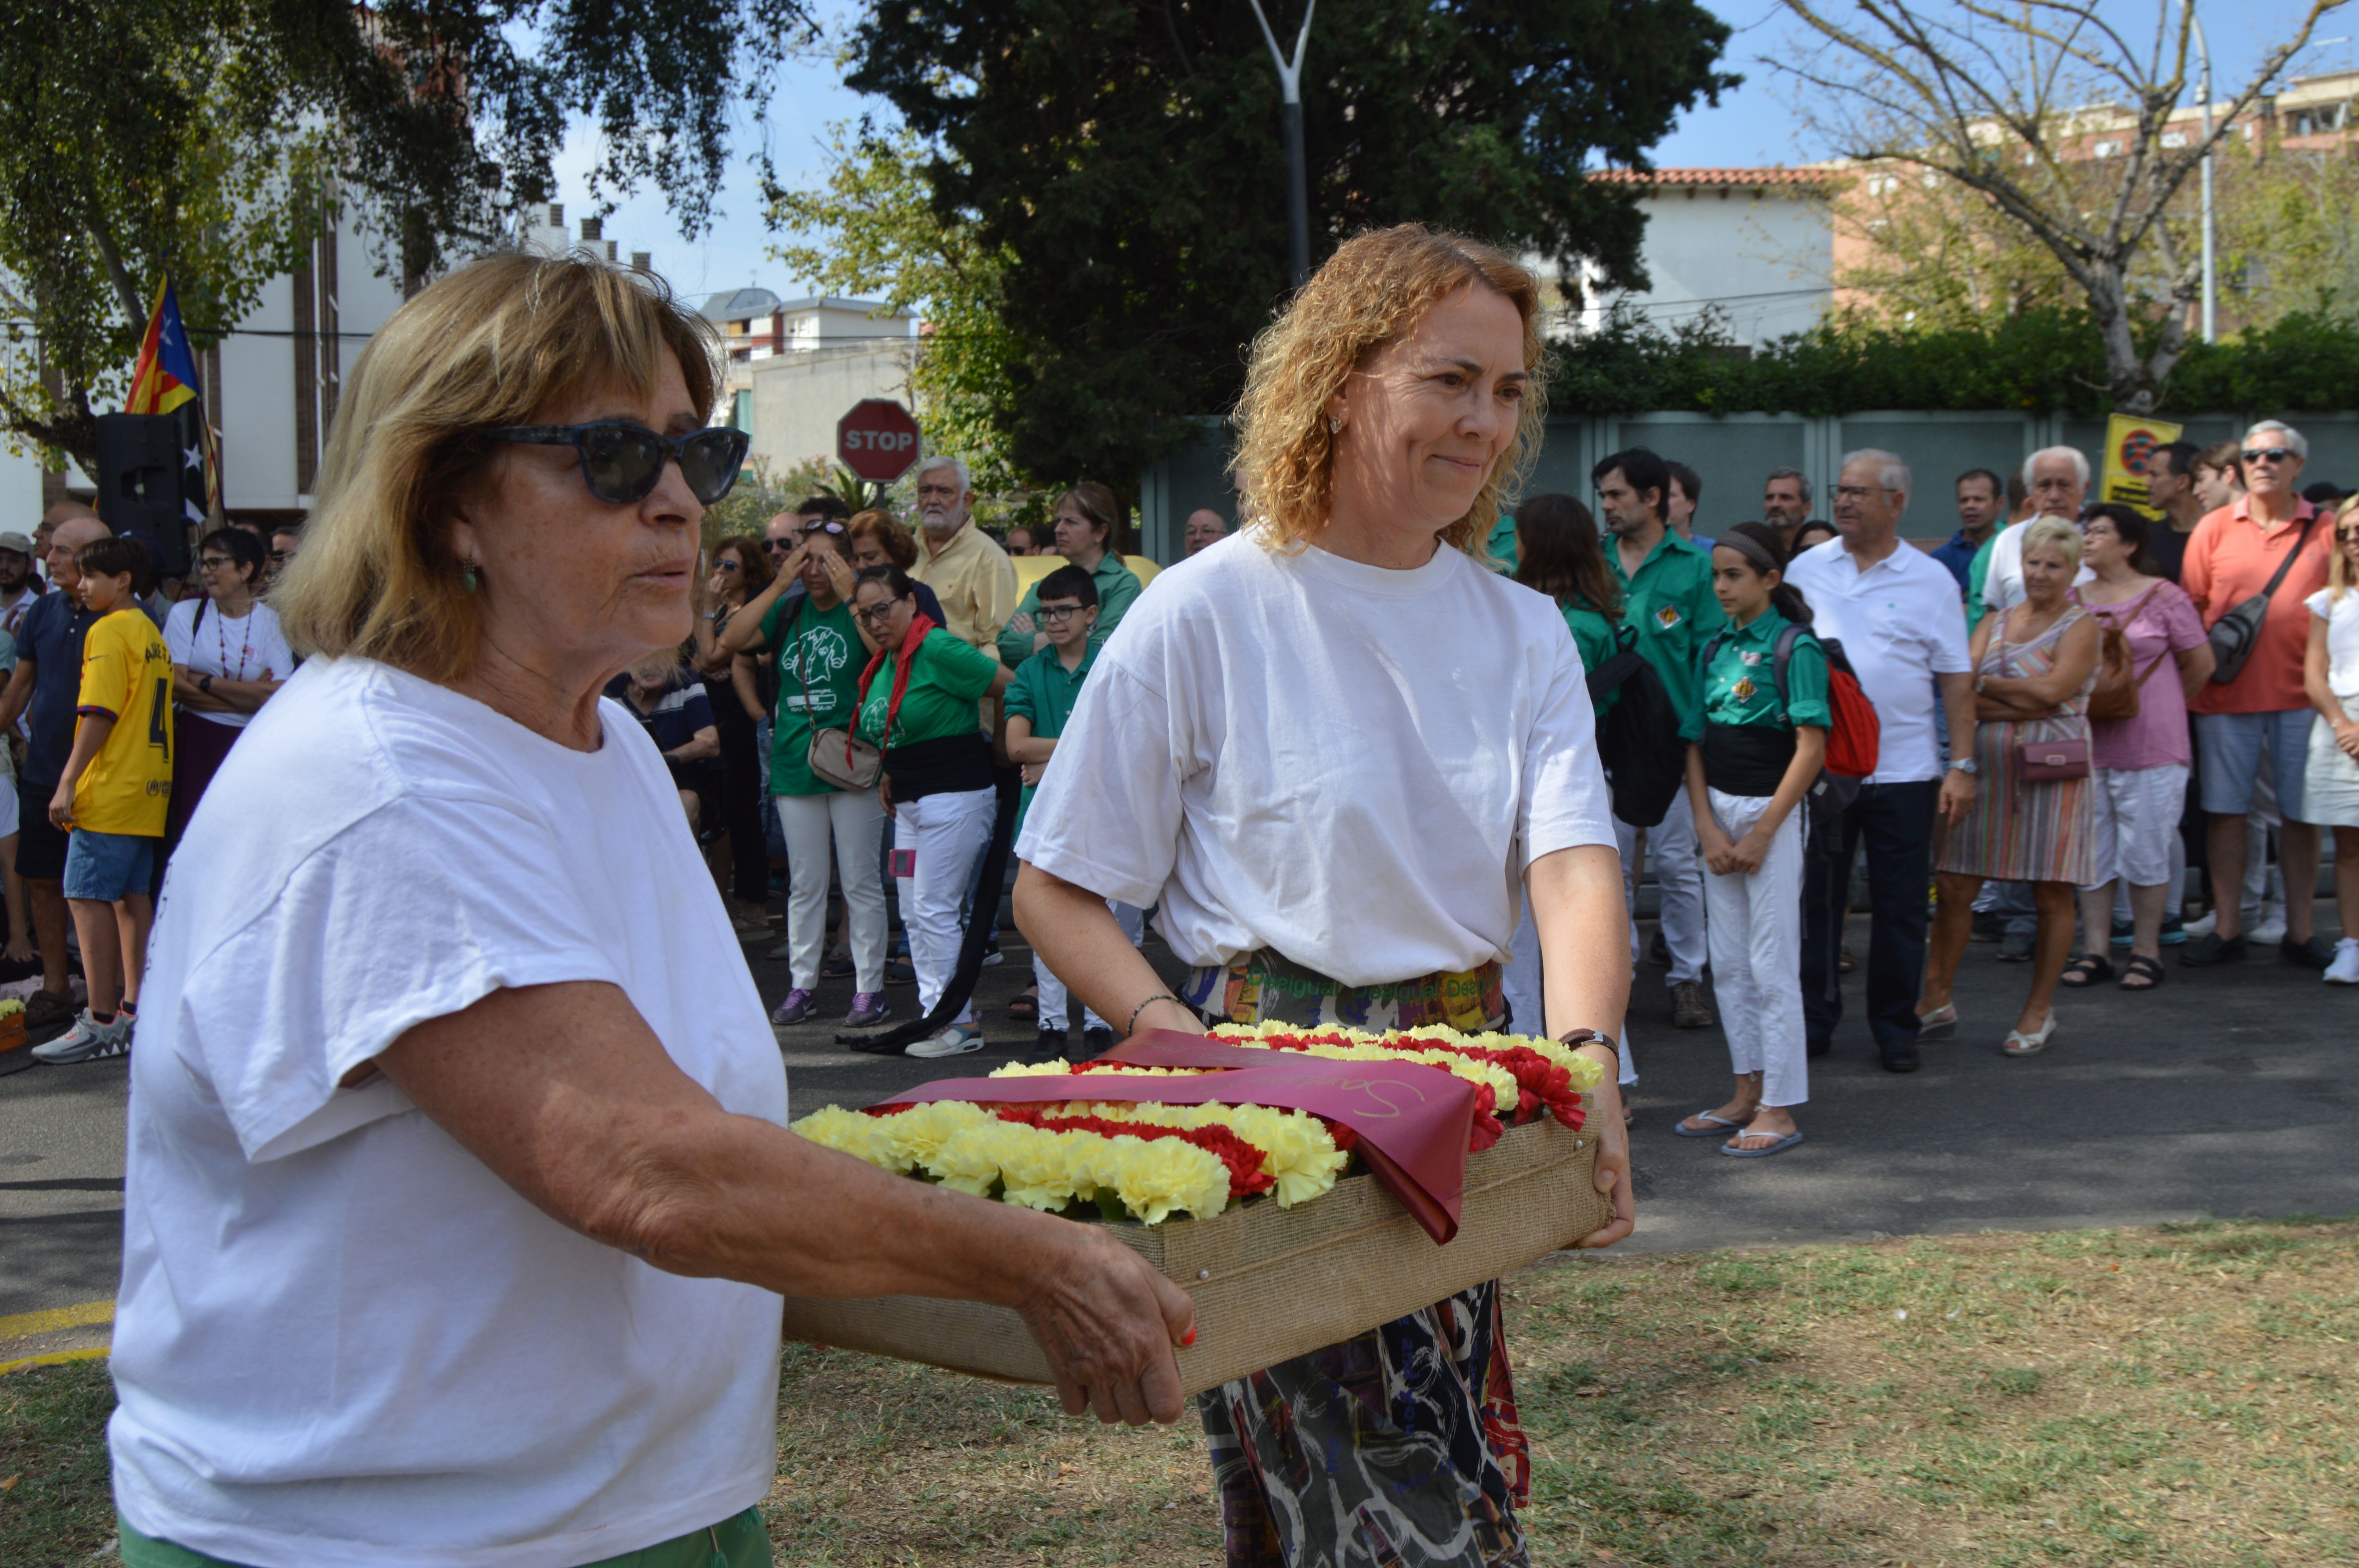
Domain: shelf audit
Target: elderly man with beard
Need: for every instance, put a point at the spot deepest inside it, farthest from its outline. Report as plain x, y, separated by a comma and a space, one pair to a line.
971, 577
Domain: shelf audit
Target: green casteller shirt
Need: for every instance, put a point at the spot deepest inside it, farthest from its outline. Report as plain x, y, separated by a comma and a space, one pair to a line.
1042, 691
945, 682
1504, 546
1597, 640
1977, 574
1741, 687
824, 652
1668, 602
1117, 588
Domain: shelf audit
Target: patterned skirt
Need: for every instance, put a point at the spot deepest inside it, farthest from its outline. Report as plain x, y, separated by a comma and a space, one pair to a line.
2020, 832
1399, 1447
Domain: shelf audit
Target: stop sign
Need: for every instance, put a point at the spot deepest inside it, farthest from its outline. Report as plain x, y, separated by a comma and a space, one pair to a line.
877, 440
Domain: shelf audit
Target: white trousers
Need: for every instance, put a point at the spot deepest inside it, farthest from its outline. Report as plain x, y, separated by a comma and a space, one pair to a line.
1055, 1001
936, 842
851, 826
1522, 984
1679, 882
1757, 954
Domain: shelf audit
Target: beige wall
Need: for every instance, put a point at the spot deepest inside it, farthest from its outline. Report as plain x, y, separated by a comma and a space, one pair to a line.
797, 398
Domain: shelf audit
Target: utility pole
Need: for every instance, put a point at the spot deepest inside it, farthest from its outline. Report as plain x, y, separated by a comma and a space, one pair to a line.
1297, 194
2210, 261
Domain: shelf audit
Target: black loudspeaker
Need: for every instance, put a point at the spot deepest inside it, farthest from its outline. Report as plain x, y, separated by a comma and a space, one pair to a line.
151, 482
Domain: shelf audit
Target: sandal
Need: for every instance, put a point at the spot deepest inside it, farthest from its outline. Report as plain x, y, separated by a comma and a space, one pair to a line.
1715, 1126
1027, 1003
2086, 970
2018, 1043
2146, 971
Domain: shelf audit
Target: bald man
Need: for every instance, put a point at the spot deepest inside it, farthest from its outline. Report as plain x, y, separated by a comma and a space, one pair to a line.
1205, 526
47, 681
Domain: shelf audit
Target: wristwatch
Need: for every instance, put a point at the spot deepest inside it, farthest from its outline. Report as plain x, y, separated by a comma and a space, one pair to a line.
205, 684
1965, 765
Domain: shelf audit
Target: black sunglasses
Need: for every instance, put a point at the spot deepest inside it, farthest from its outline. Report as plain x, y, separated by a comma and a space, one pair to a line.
2269, 454
622, 461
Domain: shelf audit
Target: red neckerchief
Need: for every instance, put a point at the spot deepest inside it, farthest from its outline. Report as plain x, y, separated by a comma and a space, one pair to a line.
920, 624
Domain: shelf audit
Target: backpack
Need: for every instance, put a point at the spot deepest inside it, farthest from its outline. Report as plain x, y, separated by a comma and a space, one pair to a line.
1853, 738
1646, 761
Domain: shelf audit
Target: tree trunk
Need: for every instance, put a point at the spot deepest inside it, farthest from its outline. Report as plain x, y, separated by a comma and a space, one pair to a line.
2126, 379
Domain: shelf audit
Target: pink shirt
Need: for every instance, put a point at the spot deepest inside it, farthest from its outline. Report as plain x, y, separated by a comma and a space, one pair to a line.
2161, 623
2229, 560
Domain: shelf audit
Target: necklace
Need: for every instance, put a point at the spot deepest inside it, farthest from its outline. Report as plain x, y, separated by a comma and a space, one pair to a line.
246, 640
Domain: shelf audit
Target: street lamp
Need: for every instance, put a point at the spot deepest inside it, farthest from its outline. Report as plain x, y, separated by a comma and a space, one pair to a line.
1290, 84
2211, 263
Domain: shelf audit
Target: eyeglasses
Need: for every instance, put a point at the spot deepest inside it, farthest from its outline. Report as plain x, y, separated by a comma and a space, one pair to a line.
724, 565
621, 461
777, 546
1057, 615
211, 563
1857, 492
2344, 536
2270, 455
824, 526
877, 614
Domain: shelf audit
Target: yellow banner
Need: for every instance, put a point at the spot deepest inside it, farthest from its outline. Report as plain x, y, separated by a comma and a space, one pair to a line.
2129, 447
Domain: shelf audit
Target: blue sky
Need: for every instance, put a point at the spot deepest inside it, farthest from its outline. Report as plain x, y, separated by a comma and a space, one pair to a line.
1755, 124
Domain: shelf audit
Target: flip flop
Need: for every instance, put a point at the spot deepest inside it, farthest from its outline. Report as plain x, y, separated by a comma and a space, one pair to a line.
1778, 1147
1720, 1125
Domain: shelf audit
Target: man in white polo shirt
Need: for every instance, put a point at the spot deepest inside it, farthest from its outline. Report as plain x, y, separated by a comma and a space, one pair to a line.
1896, 614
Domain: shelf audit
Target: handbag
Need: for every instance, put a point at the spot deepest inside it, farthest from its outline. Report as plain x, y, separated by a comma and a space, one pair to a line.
2051, 761
839, 757
2116, 696
2233, 636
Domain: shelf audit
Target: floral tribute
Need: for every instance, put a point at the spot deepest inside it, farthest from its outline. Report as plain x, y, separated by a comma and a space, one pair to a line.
1094, 1159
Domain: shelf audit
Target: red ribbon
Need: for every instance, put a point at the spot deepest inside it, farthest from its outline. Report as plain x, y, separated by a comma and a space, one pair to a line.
1414, 1121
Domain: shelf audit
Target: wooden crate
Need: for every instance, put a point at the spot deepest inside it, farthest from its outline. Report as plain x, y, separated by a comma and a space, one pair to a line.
1270, 1284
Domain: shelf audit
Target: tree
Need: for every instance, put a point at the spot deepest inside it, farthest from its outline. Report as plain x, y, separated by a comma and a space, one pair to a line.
1122, 162
2055, 117
210, 139
874, 228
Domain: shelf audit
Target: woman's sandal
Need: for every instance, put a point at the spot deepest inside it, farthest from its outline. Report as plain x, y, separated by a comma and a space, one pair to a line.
1025, 1004
2018, 1043
2146, 971
1940, 1024
2088, 969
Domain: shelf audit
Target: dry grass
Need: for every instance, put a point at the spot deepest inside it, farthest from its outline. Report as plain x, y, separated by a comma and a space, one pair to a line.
2173, 1397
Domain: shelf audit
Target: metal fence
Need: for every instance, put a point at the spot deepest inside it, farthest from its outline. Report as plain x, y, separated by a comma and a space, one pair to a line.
1734, 453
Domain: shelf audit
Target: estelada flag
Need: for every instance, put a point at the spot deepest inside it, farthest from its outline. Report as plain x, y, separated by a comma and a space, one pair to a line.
164, 379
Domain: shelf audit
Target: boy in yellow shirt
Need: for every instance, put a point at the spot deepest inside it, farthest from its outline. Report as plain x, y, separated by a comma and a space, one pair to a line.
115, 789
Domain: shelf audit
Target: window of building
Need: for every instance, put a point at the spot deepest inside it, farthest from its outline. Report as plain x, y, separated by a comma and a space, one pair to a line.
2108, 150
2174, 138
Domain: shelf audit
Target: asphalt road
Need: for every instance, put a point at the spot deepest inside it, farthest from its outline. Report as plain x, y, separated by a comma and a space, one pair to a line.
2227, 1092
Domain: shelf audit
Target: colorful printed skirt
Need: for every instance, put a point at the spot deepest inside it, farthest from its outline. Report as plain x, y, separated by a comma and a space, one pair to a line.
1399, 1447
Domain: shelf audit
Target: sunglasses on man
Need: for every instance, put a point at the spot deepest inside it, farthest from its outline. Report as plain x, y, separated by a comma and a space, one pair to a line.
621, 461
2270, 455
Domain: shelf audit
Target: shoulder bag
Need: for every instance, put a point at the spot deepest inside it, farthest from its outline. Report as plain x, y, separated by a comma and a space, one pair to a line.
839, 757
2060, 760
2235, 634
2118, 680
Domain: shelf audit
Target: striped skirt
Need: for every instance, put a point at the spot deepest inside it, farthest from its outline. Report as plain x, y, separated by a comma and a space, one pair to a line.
2021, 832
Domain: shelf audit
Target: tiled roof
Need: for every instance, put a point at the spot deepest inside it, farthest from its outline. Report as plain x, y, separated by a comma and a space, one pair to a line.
1712, 177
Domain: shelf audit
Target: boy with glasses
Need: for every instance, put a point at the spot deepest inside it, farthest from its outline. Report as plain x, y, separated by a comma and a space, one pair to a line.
1041, 697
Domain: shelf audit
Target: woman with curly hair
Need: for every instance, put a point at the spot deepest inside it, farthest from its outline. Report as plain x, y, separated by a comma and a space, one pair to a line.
1345, 837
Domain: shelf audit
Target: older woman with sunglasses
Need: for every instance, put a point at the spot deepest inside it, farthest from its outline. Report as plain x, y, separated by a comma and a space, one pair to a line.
228, 656
459, 1192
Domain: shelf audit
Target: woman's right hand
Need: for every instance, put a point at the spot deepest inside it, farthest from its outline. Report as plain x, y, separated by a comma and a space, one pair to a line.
2346, 736
1107, 1323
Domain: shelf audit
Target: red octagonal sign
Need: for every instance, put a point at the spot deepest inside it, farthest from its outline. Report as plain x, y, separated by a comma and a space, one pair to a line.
877, 440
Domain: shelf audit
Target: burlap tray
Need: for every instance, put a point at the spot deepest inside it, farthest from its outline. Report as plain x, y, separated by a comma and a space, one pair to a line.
1271, 1283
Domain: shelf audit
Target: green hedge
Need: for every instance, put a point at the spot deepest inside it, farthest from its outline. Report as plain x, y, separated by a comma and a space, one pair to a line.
2049, 360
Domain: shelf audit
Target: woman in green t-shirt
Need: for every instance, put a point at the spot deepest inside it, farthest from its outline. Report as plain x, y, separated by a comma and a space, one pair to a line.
820, 657
1558, 552
917, 700
1755, 742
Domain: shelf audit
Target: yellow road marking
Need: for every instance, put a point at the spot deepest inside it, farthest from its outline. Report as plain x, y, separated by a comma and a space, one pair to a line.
23, 1324
55, 1358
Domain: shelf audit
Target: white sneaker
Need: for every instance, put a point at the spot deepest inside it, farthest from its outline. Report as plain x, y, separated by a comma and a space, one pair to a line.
87, 1041
2271, 929
2204, 926
2345, 970
956, 1041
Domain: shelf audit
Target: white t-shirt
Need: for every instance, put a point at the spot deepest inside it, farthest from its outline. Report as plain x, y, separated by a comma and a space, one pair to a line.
1349, 764
341, 1339
1900, 623
248, 648
2342, 618
2002, 582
